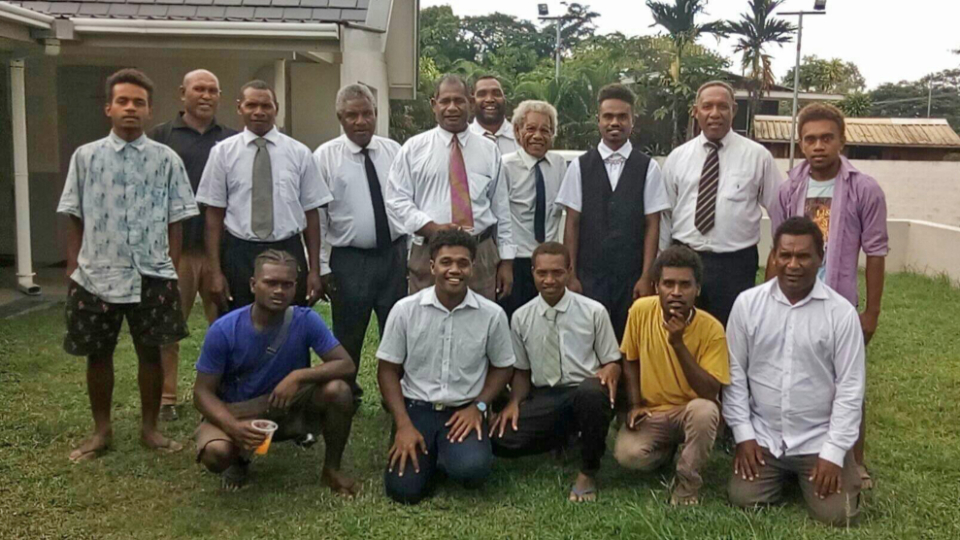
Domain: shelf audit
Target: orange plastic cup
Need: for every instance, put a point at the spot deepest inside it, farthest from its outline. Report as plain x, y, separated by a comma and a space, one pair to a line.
267, 428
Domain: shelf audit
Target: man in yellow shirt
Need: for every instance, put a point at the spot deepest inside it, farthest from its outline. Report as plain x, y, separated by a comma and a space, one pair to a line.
675, 365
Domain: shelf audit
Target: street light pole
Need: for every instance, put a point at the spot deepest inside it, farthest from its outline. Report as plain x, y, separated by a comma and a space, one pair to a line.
559, 22
820, 6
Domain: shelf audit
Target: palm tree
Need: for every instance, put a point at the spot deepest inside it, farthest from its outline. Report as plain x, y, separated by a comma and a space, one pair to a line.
756, 29
679, 19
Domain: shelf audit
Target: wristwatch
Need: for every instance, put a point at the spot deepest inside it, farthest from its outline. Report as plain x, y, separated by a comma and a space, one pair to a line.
481, 406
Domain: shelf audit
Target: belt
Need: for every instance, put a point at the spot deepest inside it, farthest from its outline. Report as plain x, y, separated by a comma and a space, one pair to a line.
438, 407
485, 235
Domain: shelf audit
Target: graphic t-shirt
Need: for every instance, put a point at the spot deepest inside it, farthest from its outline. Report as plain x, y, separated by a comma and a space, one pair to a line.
817, 208
233, 348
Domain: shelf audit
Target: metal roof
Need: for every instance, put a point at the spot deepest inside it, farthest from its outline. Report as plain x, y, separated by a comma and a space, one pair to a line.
293, 11
908, 132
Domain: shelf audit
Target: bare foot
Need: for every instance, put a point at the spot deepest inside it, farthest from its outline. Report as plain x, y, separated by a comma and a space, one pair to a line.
155, 440
684, 500
339, 483
92, 448
235, 477
866, 483
584, 489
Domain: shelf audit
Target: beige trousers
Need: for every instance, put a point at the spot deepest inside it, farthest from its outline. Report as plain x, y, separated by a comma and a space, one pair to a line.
483, 282
654, 443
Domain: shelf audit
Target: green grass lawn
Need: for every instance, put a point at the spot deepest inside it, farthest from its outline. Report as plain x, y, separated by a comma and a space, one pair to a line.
913, 449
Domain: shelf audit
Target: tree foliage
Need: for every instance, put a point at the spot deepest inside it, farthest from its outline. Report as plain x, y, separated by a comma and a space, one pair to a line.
832, 76
909, 99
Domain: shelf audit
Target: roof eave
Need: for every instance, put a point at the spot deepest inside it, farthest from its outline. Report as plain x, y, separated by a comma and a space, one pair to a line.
17, 14
206, 28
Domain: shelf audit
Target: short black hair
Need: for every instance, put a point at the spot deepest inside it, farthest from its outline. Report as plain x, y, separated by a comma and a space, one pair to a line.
130, 76
487, 76
452, 78
677, 257
800, 226
275, 256
257, 84
616, 91
551, 248
453, 237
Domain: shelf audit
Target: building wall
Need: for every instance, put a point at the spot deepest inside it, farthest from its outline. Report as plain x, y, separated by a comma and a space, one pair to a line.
313, 93
364, 62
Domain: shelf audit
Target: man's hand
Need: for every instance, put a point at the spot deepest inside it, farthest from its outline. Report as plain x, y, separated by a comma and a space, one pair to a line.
314, 287
609, 376
675, 326
635, 417
748, 460
405, 445
504, 278
509, 416
430, 229
245, 435
464, 422
282, 395
643, 287
575, 285
826, 478
869, 321
328, 286
219, 290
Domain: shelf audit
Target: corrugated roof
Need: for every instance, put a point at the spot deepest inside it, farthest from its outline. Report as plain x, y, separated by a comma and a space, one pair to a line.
911, 132
307, 11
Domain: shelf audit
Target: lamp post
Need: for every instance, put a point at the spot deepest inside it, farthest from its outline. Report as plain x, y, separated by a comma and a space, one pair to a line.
819, 7
544, 11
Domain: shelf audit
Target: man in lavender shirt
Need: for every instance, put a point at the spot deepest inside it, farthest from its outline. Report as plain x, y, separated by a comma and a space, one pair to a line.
850, 209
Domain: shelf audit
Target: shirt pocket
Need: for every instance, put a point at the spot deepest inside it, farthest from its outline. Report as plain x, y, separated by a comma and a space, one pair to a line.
289, 185
469, 360
737, 188
479, 184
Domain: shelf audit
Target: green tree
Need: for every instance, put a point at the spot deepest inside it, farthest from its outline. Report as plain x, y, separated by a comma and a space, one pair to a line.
756, 29
441, 39
909, 99
679, 19
855, 105
832, 76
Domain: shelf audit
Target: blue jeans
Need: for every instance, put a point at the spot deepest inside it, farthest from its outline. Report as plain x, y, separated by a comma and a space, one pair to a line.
468, 462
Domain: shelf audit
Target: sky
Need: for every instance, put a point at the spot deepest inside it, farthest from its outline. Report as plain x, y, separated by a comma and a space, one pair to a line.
888, 40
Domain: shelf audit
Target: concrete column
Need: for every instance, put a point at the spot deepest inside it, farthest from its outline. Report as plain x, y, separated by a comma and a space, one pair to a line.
280, 87
21, 176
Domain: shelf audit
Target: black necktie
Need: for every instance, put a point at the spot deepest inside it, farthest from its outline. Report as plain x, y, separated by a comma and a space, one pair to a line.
540, 212
376, 197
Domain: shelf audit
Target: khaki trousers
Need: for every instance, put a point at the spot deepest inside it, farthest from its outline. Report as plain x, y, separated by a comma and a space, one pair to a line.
840, 509
191, 273
483, 281
659, 435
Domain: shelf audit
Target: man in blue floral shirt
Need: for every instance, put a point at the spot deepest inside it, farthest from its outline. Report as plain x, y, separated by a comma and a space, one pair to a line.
124, 197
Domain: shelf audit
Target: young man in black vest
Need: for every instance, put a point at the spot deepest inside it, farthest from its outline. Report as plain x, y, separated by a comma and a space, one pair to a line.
614, 195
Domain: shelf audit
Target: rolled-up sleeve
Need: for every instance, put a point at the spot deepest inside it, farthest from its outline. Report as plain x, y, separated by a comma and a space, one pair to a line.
72, 196
850, 369
399, 201
212, 190
736, 396
874, 239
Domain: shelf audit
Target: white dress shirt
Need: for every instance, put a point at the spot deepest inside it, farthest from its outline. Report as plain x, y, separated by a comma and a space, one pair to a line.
749, 178
505, 138
521, 180
418, 190
227, 182
796, 372
348, 220
587, 341
654, 195
445, 354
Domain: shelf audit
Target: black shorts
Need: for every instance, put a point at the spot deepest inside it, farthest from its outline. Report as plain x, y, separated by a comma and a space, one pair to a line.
93, 325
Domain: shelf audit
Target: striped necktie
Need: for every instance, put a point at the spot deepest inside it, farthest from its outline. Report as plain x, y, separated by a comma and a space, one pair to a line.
705, 217
461, 206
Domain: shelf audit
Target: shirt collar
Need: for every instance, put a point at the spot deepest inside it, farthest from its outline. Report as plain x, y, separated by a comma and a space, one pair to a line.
802, 171
724, 142
562, 305
819, 292
447, 136
506, 129
528, 160
429, 298
119, 144
178, 123
354, 148
606, 151
272, 136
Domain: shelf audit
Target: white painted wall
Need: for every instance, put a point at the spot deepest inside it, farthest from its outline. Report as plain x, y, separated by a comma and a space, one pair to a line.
364, 62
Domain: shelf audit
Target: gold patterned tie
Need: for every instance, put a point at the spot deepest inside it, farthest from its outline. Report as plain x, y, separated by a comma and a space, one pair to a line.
461, 206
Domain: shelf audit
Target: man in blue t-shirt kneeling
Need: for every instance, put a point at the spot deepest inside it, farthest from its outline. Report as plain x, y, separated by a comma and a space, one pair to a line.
255, 364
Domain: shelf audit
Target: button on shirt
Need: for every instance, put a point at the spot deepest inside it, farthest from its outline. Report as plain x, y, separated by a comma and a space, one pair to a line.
749, 178
505, 138
796, 372
521, 180
445, 354
297, 187
348, 220
654, 195
193, 148
126, 194
418, 190
587, 341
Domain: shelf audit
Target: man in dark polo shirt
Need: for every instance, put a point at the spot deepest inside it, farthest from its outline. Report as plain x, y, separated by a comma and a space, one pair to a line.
191, 135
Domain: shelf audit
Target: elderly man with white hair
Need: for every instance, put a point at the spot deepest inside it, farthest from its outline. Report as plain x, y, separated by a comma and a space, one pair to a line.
533, 175
363, 260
